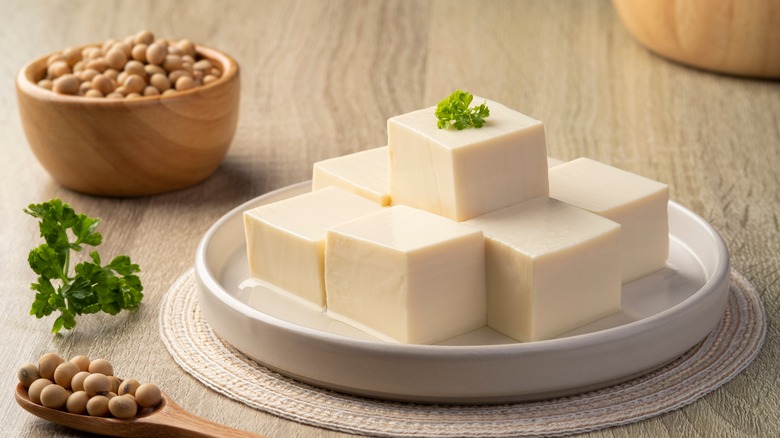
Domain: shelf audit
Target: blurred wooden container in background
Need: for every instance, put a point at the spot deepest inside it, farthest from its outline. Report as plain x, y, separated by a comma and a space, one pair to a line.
728, 36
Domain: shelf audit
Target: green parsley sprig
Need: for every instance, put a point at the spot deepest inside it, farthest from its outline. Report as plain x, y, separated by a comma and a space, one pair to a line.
92, 287
454, 112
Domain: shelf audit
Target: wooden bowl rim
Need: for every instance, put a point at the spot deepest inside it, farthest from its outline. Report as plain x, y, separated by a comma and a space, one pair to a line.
25, 82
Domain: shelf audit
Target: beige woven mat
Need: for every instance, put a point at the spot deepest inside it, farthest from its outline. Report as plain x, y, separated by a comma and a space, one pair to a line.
722, 355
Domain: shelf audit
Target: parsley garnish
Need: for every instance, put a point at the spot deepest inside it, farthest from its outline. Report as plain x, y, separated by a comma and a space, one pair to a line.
454, 112
91, 288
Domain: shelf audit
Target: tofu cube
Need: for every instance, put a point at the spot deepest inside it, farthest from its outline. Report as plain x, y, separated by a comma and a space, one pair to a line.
286, 239
406, 275
552, 162
637, 203
364, 173
467, 173
551, 267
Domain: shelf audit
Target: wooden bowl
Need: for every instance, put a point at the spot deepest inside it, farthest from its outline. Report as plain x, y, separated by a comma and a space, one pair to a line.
728, 36
131, 147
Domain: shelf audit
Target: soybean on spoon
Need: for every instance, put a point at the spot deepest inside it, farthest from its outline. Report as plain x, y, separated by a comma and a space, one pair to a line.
166, 420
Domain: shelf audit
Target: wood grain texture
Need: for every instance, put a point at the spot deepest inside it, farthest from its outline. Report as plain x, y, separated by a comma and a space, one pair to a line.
319, 79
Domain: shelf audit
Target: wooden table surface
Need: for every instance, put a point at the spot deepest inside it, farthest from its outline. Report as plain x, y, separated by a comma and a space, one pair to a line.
319, 80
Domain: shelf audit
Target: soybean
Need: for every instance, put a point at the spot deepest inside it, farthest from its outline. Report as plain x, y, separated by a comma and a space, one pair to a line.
101, 366
34, 392
148, 395
81, 361
129, 386
97, 384
75, 72
123, 406
160, 81
77, 403
27, 374
116, 58
114, 384
64, 374
155, 53
134, 83
97, 406
77, 383
66, 84
184, 83
144, 37
91, 391
48, 363
54, 396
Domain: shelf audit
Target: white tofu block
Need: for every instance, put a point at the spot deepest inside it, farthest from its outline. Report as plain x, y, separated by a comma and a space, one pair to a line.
406, 275
637, 203
364, 173
286, 240
550, 268
552, 162
467, 173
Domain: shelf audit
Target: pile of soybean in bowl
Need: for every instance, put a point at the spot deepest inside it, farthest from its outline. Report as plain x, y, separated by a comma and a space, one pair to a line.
81, 386
137, 66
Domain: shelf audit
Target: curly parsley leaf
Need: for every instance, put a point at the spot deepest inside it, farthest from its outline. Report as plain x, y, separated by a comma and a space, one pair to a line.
454, 112
92, 287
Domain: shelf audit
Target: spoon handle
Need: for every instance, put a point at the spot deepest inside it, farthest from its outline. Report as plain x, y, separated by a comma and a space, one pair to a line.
173, 421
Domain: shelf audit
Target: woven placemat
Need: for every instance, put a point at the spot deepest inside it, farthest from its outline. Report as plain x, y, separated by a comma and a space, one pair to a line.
732, 345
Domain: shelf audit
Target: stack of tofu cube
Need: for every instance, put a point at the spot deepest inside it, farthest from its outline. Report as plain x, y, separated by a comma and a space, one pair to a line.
444, 231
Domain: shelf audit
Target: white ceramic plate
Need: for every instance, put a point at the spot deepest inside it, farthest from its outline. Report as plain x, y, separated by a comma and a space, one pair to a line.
664, 314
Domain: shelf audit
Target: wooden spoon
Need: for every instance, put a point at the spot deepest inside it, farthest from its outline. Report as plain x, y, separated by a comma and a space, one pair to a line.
166, 420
